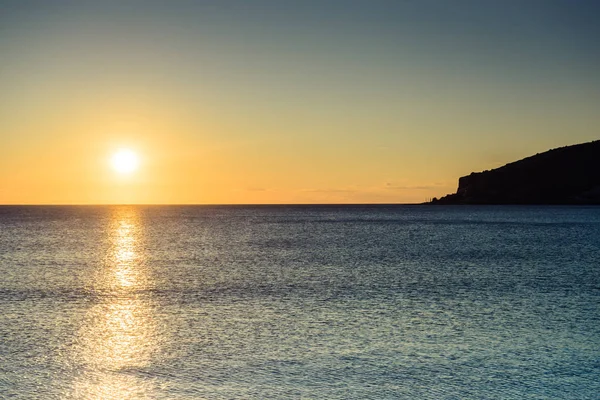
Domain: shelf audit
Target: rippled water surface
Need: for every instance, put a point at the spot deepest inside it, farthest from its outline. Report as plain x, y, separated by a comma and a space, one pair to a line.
274, 302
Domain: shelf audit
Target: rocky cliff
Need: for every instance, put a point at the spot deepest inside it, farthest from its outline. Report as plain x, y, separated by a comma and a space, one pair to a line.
566, 175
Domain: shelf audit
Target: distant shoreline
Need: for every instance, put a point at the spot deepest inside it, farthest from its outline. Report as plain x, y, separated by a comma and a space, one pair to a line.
564, 176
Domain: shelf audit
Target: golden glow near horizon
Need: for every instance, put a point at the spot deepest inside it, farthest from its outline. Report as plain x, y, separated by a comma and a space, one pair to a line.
125, 161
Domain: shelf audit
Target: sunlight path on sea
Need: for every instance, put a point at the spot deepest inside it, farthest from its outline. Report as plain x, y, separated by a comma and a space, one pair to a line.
118, 337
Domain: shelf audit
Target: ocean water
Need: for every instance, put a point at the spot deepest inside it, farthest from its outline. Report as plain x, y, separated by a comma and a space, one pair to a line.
311, 302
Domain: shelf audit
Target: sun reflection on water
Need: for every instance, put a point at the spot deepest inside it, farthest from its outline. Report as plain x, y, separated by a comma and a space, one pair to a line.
118, 339
126, 261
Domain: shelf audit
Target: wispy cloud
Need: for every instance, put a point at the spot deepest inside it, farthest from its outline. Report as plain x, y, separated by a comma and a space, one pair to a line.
399, 186
329, 190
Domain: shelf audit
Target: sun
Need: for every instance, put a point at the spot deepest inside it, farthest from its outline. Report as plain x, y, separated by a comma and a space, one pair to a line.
124, 161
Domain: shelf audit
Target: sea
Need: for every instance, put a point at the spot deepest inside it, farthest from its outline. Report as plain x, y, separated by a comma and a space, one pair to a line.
299, 302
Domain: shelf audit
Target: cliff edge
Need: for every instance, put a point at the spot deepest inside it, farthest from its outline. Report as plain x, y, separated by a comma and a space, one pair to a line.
566, 175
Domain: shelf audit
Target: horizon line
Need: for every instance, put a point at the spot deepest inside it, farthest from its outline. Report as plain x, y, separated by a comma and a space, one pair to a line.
200, 204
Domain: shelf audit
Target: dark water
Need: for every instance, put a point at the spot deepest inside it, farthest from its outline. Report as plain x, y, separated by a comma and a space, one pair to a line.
380, 302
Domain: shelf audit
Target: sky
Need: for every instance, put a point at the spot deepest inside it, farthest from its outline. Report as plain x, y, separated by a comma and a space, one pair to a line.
245, 102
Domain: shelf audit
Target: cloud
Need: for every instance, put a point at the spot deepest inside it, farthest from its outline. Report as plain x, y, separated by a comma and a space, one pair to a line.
329, 190
393, 186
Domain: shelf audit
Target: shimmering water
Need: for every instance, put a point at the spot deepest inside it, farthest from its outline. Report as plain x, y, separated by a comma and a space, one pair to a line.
379, 302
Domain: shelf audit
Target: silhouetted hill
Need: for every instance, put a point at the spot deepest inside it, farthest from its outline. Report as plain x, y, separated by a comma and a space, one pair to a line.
566, 175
